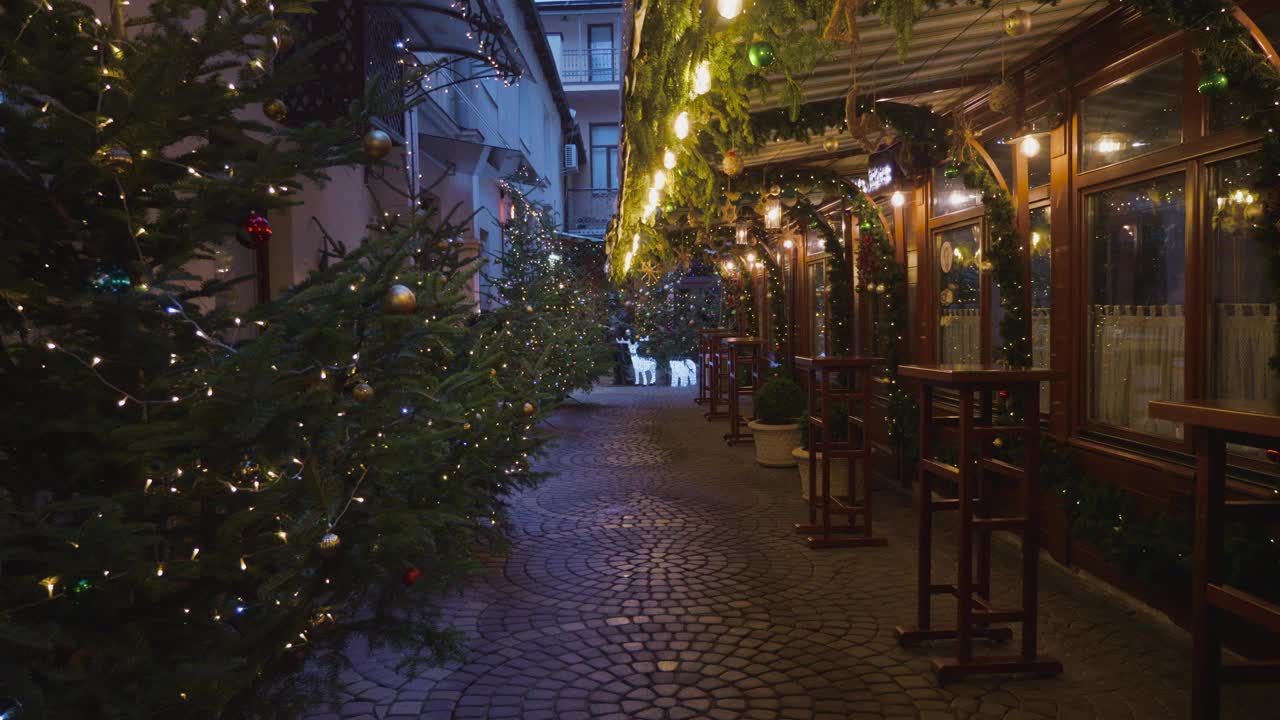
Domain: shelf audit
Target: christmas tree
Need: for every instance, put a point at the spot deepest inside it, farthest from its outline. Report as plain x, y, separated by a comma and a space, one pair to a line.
195, 499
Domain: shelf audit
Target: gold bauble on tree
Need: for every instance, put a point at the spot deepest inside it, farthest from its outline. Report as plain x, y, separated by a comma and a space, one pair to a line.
732, 164
1017, 23
275, 109
528, 408
329, 543
1003, 98
362, 392
399, 300
376, 144
830, 144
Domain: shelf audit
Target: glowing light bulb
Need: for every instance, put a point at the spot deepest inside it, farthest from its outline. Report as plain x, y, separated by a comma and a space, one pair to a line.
1107, 145
957, 198
751, 258
729, 9
897, 199
659, 179
682, 125
788, 244
669, 160
654, 196
702, 78
729, 266
1030, 146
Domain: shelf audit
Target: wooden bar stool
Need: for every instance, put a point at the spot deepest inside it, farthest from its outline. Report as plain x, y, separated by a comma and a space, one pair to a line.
718, 403
746, 360
853, 376
706, 352
973, 475
1211, 426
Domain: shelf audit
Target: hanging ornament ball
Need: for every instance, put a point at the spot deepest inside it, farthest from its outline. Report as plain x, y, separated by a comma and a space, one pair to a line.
880, 287
732, 163
329, 542
1003, 98
1214, 83
774, 191
1017, 23
527, 408
528, 308
952, 171
760, 53
111, 280
466, 426
275, 109
997, 443
1273, 455
411, 576
399, 300
10, 708
376, 144
258, 228
493, 372
362, 392
114, 157
831, 144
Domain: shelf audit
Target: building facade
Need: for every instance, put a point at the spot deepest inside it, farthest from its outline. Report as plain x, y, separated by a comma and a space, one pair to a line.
586, 38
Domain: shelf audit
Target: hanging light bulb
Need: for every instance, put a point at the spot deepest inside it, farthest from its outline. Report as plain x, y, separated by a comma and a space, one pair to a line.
669, 160
773, 213
1030, 146
654, 196
751, 258
728, 266
682, 125
728, 9
659, 179
788, 244
897, 199
702, 78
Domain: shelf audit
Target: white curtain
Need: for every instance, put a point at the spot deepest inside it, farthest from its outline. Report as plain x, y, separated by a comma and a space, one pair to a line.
1138, 355
960, 335
1245, 340
1040, 349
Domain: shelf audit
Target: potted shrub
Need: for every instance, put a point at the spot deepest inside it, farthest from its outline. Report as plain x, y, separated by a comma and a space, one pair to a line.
839, 466
778, 403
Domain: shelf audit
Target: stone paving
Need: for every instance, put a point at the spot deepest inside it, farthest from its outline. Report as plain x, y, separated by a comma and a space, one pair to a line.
656, 576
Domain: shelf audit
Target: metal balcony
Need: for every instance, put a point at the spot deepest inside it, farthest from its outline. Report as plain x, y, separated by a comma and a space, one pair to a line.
589, 66
589, 211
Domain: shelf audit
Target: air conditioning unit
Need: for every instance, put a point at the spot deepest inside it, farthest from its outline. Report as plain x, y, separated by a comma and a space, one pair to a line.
571, 158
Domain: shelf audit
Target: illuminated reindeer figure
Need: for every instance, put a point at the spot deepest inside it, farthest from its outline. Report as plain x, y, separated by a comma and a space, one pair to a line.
640, 365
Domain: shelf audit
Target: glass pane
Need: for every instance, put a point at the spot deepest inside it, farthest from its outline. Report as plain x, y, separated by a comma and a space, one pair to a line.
1041, 293
818, 326
950, 194
604, 135
1137, 267
958, 326
1038, 164
1140, 114
1001, 151
1242, 318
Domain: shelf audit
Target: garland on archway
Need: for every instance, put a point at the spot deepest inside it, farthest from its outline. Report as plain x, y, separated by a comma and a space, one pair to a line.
777, 305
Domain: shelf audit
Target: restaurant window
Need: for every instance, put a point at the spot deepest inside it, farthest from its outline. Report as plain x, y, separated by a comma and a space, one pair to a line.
818, 321
1137, 264
604, 157
1041, 293
958, 308
1242, 317
1138, 115
1038, 164
950, 195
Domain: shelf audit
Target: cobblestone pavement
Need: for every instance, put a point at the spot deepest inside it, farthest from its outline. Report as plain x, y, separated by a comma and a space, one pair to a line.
656, 576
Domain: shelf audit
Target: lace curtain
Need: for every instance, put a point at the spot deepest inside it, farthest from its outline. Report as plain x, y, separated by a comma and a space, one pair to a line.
1138, 355
1245, 337
959, 333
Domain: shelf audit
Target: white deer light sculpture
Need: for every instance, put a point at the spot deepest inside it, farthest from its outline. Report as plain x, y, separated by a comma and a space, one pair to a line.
683, 373
642, 366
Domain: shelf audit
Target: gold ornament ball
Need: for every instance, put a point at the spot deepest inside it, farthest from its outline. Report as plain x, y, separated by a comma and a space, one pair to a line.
879, 287
528, 308
527, 408
493, 372
998, 442
114, 157
329, 542
1017, 23
1003, 98
362, 392
376, 144
831, 144
774, 191
732, 164
399, 300
466, 426
275, 109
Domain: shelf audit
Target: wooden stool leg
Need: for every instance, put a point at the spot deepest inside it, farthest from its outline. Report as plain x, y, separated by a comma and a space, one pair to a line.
1206, 634
924, 543
1031, 511
964, 571
826, 456
983, 508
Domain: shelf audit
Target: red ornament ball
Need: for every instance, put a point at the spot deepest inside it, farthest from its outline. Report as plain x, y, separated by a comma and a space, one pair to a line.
411, 576
258, 228
1273, 455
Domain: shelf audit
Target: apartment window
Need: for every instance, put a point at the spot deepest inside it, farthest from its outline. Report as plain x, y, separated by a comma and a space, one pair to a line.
958, 300
1137, 290
600, 42
1242, 317
604, 157
1137, 115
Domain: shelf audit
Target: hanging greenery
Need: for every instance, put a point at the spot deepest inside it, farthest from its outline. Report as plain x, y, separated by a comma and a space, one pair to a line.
777, 301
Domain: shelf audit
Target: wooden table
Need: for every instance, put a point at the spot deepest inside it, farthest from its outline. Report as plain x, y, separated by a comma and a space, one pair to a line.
745, 360
975, 614
718, 378
853, 376
707, 341
1211, 426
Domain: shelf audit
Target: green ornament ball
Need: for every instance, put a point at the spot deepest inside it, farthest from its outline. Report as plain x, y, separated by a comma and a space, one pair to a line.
760, 53
1214, 83
951, 171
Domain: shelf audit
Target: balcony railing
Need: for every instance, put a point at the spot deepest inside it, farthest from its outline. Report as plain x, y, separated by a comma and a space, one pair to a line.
590, 66
590, 210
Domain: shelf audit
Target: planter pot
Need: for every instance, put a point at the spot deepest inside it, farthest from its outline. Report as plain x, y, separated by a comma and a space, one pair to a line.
774, 443
839, 473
